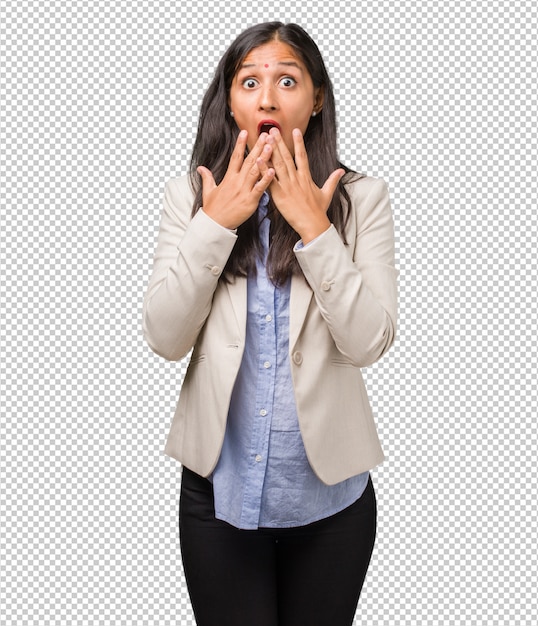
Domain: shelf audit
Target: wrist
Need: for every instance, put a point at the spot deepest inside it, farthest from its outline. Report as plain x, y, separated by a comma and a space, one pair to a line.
218, 221
313, 231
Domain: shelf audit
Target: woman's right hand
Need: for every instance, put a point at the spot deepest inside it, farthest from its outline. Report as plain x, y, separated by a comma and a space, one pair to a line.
237, 197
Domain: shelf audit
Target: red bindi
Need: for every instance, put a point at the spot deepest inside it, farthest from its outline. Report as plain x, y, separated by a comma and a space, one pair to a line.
266, 65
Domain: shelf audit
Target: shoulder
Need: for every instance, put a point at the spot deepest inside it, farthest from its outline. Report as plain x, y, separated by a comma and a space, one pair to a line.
178, 199
370, 204
362, 188
179, 189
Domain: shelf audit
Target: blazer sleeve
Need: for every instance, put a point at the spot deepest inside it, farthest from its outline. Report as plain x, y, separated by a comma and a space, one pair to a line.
355, 285
189, 258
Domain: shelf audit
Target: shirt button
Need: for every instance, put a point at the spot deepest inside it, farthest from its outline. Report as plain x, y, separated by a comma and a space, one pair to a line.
267, 365
258, 458
215, 270
263, 412
268, 317
325, 285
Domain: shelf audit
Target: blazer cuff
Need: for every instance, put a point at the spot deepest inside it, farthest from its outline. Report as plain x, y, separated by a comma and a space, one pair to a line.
207, 244
210, 223
301, 246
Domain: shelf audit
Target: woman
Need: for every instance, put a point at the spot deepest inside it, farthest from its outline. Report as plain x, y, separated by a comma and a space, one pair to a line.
276, 263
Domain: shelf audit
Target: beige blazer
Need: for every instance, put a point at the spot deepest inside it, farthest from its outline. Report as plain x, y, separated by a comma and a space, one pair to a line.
342, 317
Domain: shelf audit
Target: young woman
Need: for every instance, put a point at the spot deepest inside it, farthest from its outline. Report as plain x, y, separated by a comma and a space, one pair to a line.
276, 264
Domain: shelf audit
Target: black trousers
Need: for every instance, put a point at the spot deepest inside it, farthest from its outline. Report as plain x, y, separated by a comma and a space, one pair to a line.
306, 576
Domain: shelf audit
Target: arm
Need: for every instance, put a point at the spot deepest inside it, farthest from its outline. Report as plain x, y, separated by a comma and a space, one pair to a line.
189, 259
355, 286
191, 254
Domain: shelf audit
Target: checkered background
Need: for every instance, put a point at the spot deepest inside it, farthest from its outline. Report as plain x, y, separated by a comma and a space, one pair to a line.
98, 108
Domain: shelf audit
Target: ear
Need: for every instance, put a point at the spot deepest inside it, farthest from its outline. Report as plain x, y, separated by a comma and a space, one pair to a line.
319, 95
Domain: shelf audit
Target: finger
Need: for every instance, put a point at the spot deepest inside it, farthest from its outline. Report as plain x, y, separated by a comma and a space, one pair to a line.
262, 162
282, 159
331, 184
259, 167
301, 157
267, 178
256, 151
238, 154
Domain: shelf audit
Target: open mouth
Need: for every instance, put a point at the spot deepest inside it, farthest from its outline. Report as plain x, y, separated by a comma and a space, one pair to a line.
265, 126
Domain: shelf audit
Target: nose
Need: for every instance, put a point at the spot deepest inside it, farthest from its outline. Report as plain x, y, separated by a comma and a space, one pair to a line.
268, 99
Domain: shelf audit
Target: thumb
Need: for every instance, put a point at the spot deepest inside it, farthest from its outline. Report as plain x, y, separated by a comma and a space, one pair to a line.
331, 183
208, 182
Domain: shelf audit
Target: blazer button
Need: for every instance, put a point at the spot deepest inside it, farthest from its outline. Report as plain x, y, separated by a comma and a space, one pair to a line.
325, 285
215, 270
297, 358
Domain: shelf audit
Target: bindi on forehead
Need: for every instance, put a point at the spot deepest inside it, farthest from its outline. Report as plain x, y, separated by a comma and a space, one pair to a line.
266, 65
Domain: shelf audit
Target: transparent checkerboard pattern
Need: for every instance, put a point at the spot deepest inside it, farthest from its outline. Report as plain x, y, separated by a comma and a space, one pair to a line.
99, 105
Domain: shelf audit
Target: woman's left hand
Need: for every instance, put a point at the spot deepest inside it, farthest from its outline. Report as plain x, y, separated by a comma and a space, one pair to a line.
297, 197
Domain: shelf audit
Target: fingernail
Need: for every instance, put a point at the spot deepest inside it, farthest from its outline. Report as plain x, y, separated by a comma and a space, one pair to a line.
243, 134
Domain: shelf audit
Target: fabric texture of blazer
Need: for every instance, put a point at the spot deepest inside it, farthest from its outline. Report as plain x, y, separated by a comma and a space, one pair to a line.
342, 317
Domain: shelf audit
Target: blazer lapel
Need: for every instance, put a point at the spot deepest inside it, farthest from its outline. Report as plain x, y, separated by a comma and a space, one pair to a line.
237, 290
300, 297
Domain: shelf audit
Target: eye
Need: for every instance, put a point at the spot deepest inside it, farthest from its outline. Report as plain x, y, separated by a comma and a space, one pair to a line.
250, 83
288, 81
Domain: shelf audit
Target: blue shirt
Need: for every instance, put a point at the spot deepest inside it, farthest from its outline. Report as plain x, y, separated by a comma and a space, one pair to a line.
263, 477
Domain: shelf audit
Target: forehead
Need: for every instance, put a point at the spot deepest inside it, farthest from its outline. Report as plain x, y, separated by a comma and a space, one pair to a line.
271, 54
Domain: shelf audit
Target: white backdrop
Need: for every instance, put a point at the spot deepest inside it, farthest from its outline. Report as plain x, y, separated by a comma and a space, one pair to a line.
98, 108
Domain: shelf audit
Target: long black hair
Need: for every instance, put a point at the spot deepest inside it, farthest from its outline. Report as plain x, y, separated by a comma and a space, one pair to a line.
217, 135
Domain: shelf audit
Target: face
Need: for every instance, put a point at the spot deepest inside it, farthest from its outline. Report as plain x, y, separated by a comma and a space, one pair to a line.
273, 85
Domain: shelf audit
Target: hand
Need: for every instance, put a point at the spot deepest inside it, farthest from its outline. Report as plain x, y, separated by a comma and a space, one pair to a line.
300, 201
236, 198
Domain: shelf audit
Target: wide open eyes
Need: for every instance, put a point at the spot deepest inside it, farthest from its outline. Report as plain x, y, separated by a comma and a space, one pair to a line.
285, 81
